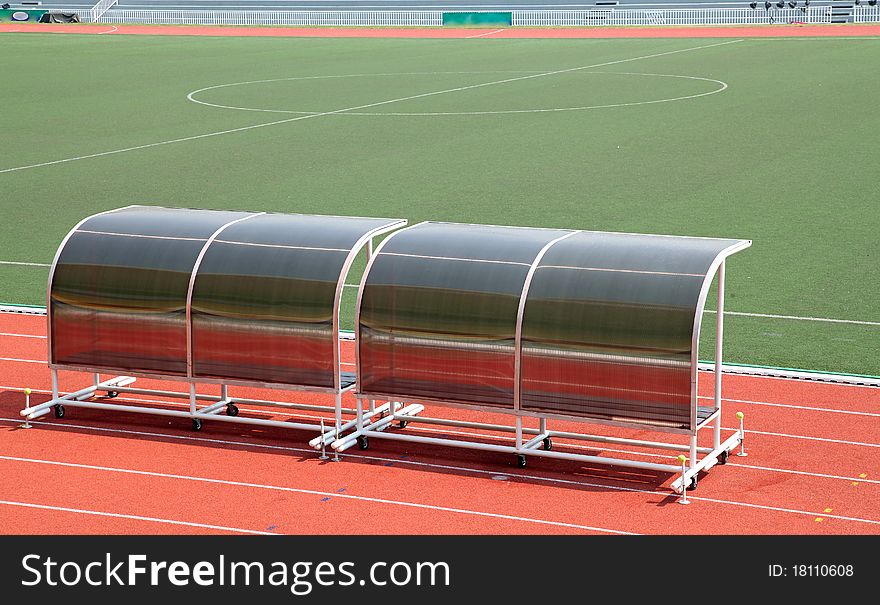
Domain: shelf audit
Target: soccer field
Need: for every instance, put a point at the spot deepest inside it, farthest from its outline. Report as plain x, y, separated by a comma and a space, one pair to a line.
766, 139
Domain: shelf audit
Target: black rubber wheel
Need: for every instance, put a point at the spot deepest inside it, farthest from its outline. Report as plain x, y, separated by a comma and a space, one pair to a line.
231, 409
363, 442
197, 424
521, 461
59, 410
547, 444
403, 424
693, 484
722, 458
112, 394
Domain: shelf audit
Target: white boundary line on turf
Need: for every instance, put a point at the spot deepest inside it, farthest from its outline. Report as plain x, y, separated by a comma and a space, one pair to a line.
23, 264
136, 518
365, 106
497, 31
313, 492
722, 87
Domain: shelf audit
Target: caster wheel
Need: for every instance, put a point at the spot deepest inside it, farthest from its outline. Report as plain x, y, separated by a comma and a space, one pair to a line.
520, 461
693, 484
363, 442
231, 409
112, 394
547, 444
59, 410
403, 424
722, 459
197, 424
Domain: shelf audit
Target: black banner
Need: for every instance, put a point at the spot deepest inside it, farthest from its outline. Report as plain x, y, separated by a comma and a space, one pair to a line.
435, 569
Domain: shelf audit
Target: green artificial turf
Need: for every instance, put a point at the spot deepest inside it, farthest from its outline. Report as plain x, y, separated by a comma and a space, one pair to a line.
784, 156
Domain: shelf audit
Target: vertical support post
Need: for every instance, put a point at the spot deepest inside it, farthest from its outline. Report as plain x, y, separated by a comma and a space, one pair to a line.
519, 432
719, 339
192, 399
96, 379
224, 393
369, 248
684, 493
693, 450
742, 435
542, 425
54, 383
323, 455
338, 411
27, 404
359, 410
372, 407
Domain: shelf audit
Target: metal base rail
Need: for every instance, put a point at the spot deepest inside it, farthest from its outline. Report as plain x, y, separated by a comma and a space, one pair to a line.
540, 443
212, 411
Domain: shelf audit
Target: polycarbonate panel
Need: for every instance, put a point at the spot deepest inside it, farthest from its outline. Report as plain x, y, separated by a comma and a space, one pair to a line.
438, 312
119, 288
608, 325
263, 299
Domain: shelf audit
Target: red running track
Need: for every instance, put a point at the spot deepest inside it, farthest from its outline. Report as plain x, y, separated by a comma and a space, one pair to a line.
812, 469
766, 31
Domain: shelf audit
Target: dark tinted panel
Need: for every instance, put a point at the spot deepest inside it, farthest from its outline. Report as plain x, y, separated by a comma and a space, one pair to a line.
438, 312
263, 301
119, 297
608, 325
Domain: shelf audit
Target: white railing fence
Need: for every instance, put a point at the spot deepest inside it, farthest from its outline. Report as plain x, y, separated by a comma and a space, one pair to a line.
330, 18
104, 13
100, 8
866, 14
673, 16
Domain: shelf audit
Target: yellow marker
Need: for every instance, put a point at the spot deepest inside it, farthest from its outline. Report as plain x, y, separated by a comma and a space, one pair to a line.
819, 519
27, 391
863, 475
827, 510
855, 482
740, 415
682, 458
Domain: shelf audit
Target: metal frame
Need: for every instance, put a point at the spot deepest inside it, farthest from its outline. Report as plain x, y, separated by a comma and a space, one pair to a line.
211, 411
542, 435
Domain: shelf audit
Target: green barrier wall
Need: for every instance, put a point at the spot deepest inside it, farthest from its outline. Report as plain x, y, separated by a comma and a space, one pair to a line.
33, 15
494, 19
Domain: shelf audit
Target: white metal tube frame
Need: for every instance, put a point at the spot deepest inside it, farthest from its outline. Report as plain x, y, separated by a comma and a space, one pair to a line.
212, 411
719, 451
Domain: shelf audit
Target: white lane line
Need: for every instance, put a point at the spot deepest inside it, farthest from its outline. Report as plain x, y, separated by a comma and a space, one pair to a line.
794, 407
431, 465
22, 264
136, 518
14, 335
365, 106
857, 322
444, 467
497, 31
109, 31
23, 360
312, 492
825, 439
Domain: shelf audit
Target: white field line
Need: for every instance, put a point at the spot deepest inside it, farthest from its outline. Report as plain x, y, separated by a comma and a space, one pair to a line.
23, 360
364, 106
312, 492
109, 31
22, 264
793, 406
857, 322
497, 31
804, 437
136, 518
251, 445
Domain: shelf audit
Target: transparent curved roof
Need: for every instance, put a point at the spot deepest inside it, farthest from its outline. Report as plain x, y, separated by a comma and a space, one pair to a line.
438, 310
608, 326
264, 292
606, 330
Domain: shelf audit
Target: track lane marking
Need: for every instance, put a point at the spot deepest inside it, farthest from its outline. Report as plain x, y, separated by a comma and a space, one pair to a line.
448, 467
497, 31
316, 493
364, 106
136, 518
